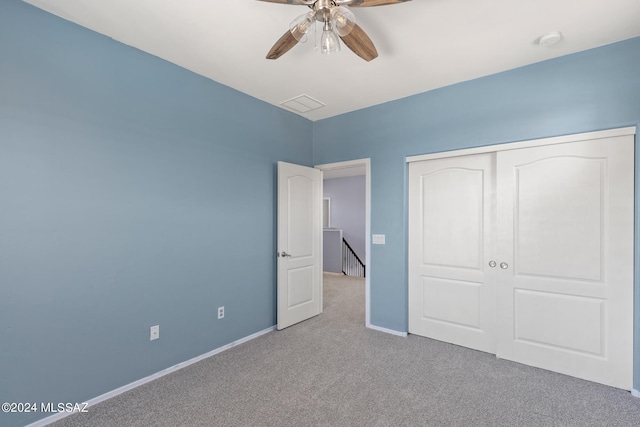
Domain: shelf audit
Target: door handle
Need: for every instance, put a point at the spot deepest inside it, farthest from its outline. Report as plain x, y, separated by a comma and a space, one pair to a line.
503, 265
284, 254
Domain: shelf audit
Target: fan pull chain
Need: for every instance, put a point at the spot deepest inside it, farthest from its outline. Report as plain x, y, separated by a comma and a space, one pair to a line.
315, 37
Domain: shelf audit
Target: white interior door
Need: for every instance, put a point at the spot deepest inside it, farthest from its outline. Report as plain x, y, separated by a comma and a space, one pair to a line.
451, 289
565, 232
299, 243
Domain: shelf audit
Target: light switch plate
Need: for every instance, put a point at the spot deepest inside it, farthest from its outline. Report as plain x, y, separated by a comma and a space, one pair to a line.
378, 239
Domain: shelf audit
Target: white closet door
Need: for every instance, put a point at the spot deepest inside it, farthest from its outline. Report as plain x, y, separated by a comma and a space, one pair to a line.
451, 297
565, 232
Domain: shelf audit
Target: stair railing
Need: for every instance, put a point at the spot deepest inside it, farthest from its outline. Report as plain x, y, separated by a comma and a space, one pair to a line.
351, 263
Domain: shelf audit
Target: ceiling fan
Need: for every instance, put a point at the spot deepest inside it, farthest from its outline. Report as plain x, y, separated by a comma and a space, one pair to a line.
335, 19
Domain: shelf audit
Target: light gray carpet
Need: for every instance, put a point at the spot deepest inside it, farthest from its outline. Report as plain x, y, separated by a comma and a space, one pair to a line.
332, 371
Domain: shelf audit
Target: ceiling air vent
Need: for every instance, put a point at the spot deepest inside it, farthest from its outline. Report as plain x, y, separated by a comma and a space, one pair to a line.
302, 104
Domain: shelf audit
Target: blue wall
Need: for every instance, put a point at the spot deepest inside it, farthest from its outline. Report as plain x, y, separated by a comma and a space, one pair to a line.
348, 198
129, 187
332, 250
132, 193
592, 90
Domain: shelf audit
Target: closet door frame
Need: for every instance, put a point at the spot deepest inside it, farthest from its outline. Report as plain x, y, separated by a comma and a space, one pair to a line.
627, 131
525, 144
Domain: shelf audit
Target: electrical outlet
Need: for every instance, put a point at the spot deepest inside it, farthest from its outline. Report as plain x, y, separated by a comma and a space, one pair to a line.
220, 312
154, 332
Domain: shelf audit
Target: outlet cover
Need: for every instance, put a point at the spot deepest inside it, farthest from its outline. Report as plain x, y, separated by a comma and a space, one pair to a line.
154, 332
220, 312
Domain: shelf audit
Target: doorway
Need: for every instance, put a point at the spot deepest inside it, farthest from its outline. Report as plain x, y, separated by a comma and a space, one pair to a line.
354, 168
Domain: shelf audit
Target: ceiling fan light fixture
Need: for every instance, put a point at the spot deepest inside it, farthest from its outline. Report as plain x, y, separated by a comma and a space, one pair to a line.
338, 23
329, 41
343, 20
301, 25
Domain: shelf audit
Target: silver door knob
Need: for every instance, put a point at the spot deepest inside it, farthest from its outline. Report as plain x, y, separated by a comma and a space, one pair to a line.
284, 254
504, 265
492, 264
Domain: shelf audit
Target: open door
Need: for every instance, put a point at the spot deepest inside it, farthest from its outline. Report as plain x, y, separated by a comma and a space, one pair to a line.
299, 243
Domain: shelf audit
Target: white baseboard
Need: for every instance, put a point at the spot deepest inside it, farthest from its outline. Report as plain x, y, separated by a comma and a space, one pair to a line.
635, 393
387, 331
108, 395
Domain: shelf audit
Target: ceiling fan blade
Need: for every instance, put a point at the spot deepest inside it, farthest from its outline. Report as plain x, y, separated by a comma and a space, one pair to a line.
282, 46
365, 3
296, 2
360, 43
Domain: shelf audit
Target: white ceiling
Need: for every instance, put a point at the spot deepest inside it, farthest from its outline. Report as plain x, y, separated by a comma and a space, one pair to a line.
423, 44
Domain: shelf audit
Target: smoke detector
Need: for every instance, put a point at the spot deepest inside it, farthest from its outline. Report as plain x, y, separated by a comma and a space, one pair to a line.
550, 39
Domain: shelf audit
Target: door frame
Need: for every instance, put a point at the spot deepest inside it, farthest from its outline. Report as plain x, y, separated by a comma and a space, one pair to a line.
629, 130
367, 221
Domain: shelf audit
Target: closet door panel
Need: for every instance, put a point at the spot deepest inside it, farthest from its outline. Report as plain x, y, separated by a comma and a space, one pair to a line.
450, 222
560, 208
565, 227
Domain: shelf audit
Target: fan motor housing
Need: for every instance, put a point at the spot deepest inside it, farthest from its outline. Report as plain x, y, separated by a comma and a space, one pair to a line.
323, 10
